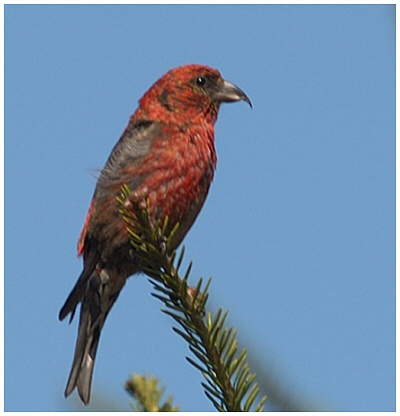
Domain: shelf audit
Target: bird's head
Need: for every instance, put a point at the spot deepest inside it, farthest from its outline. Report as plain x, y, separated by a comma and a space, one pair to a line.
190, 91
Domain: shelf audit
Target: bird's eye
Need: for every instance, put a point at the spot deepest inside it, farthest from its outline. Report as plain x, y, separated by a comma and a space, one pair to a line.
200, 81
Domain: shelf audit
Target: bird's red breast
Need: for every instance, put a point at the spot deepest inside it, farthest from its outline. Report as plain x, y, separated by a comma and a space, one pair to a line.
175, 170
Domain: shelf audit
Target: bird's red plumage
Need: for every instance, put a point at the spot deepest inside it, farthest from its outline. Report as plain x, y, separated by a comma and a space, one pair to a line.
165, 155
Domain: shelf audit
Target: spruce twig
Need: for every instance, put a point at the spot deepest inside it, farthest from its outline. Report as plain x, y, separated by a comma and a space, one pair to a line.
147, 394
228, 382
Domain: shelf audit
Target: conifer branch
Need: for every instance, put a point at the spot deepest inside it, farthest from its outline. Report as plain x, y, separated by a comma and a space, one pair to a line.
147, 394
228, 382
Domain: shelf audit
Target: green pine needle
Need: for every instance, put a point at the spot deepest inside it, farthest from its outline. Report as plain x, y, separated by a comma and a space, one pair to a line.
229, 384
147, 394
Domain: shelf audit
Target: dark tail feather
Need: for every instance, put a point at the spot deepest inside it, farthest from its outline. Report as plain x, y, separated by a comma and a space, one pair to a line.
96, 304
85, 354
77, 292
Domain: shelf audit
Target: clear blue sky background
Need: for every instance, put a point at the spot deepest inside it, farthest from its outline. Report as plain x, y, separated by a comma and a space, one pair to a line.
298, 230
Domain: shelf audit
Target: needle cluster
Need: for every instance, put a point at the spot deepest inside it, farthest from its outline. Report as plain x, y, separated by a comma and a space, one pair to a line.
228, 384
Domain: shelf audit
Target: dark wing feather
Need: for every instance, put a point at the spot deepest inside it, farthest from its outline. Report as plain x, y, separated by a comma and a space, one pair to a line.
131, 149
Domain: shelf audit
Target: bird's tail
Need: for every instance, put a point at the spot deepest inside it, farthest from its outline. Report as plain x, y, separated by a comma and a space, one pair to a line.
97, 300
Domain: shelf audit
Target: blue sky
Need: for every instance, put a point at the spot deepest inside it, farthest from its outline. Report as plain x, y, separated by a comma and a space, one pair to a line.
298, 230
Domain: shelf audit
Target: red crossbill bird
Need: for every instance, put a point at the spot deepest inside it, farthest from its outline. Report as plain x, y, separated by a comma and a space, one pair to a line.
166, 156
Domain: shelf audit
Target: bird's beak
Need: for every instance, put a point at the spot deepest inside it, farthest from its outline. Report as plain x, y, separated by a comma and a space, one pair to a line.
229, 92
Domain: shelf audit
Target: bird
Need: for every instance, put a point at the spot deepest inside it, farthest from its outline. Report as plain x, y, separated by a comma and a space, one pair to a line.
166, 156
